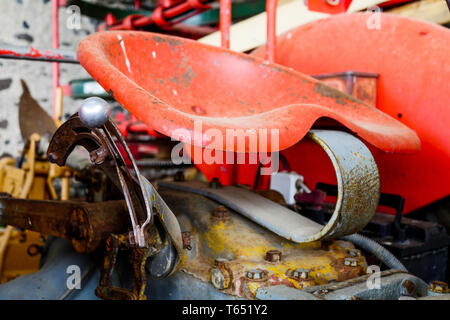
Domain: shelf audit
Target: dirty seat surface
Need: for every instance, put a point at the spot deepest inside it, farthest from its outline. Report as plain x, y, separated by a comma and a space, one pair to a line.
169, 83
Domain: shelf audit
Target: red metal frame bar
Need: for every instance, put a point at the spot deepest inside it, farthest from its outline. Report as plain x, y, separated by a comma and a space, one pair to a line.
161, 15
55, 65
225, 23
271, 12
31, 53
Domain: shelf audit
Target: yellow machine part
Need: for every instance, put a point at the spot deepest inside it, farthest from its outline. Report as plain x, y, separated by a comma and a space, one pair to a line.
220, 241
19, 250
19, 253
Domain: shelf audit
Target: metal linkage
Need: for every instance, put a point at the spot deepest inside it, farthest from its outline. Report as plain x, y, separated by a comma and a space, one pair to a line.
93, 130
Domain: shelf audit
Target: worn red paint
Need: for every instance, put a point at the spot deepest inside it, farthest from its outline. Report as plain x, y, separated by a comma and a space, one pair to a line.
34, 53
10, 52
411, 58
235, 90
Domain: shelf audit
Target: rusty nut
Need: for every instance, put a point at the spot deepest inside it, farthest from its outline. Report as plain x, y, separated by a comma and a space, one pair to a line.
220, 213
257, 275
273, 256
439, 287
354, 252
351, 262
220, 279
300, 274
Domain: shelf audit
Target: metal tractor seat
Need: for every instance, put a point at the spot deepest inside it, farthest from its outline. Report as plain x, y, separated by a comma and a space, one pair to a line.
169, 83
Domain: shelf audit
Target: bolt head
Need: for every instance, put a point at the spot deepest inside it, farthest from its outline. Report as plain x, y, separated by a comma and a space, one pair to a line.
351, 262
218, 279
300, 274
256, 274
220, 213
94, 112
354, 252
439, 287
273, 255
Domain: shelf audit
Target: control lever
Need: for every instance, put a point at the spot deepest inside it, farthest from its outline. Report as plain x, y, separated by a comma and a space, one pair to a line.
94, 113
93, 129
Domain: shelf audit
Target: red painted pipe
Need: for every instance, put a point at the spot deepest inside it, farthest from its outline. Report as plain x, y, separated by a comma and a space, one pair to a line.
271, 12
137, 4
161, 14
225, 23
31, 53
55, 43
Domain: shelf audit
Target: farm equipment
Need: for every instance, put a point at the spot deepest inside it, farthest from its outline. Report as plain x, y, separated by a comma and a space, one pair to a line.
421, 177
225, 234
227, 240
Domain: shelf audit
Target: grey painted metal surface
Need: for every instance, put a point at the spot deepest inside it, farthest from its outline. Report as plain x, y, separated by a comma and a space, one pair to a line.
393, 285
283, 293
50, 282
279, 219
358, 194
182, 286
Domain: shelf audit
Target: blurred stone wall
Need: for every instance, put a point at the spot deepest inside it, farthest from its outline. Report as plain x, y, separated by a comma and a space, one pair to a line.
28, 22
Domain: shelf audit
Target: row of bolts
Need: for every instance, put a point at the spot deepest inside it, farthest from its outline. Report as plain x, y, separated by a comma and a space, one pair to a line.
271, 256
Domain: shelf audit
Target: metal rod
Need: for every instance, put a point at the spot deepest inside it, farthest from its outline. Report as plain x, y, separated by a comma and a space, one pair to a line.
31, 53
225, 23
271, 12
55, 65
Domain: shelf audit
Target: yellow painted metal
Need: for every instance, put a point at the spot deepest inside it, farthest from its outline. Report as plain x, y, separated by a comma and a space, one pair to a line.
19, 252
58, 105
235, 245
12, 180
31, 158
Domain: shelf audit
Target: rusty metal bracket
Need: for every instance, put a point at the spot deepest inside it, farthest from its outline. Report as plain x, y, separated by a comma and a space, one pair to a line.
141, 198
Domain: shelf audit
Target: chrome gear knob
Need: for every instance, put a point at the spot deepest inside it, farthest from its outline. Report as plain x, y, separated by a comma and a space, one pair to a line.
94, 112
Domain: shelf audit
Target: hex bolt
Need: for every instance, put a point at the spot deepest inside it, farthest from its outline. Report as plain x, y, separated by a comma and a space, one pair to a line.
438, 287
273, 256
256, 274
220, 213
300, 274
351, 262
219, 280
354, 252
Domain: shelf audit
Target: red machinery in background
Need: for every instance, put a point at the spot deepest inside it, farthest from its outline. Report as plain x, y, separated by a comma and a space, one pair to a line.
411, 59
389, 52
